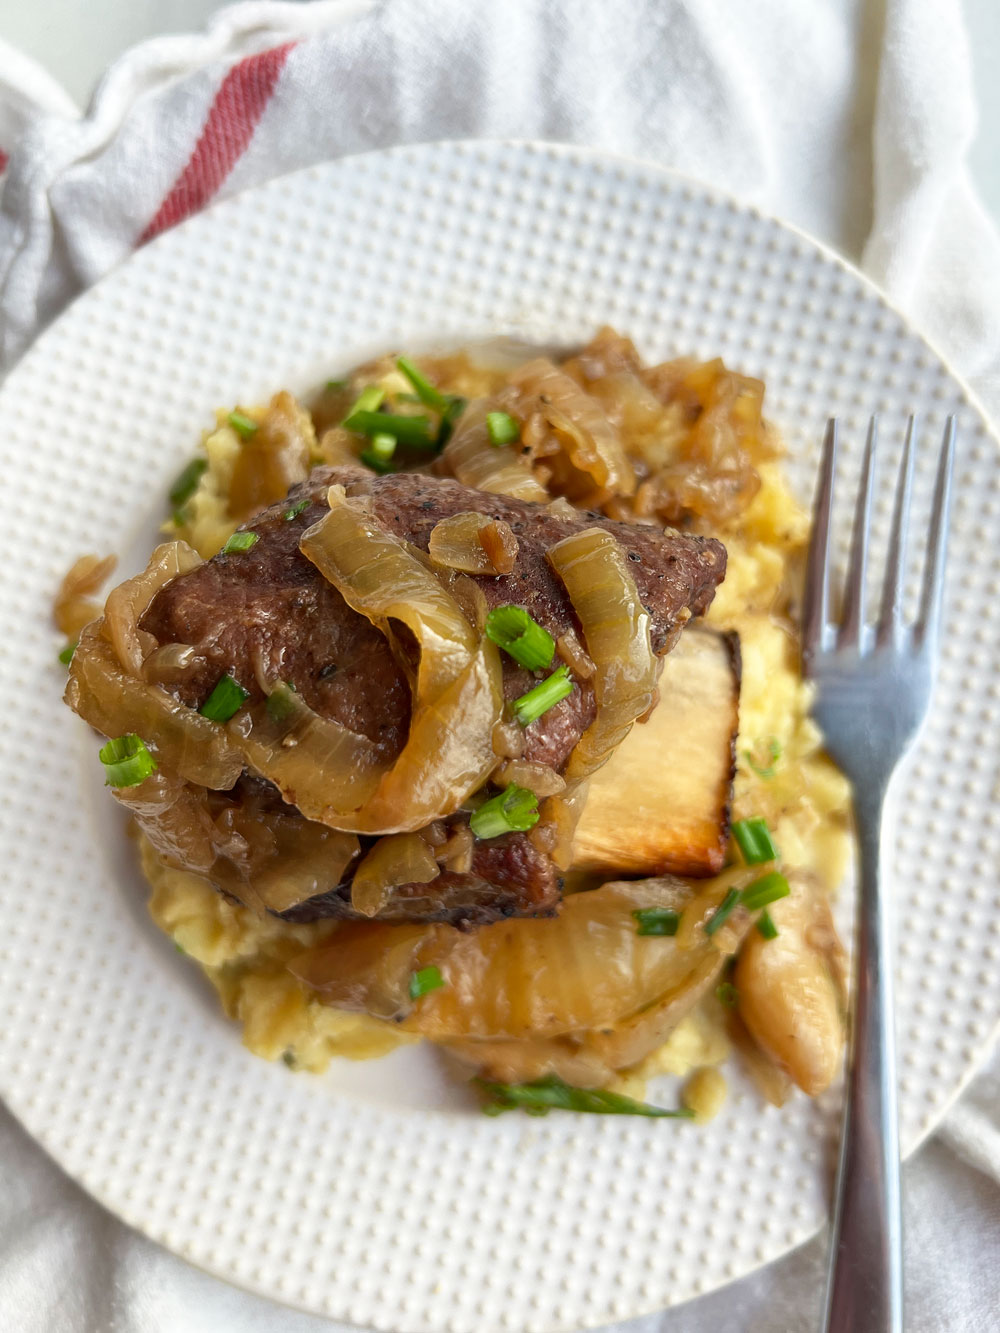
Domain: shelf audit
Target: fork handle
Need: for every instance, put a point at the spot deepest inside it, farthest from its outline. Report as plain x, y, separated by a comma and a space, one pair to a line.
864, 1287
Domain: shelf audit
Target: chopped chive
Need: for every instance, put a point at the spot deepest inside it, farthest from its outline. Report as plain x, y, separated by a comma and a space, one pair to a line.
424, 981
449, 417
240, 541
295, 510
243, 425
767, 768
66, 656
367, 401
753, 838
379, 453
281, 705
544, 1094
186, 483
521, 637
657, 921
383, 445
766, 926
425, 390
502, 428
225, 700
335, 386
515, 810
414, 430
727, 994
126, 761
722, 912
764, 891
530, 707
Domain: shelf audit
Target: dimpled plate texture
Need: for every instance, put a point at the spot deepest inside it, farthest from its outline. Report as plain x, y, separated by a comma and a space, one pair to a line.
377, 1193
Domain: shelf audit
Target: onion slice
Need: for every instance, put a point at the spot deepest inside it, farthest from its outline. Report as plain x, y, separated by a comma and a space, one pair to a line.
591, 465
473, 543
457, 697
477, 462
402, 858
127, 603
116, 703
615, 625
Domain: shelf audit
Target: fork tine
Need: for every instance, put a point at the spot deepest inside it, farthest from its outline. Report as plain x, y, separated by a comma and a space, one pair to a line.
891, 618
816, 595
852, 620
937, 543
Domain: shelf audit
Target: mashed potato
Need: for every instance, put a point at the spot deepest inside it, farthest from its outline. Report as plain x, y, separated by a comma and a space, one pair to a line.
782, 775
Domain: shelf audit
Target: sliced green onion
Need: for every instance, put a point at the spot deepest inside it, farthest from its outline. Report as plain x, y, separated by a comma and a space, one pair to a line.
543, 1094
414, 430
766, 926
657, 921
502, 427
225, 700
367, 401
515, 810
530, 707
66, 656
295, 510
126, 761
186, 482
335, 386
727, 994
753, 838
425, 390
379, 453
764, 891
767, 768
280, 704
424, 981
243, 425
406, 398
456, 406
240, 541
722, 912
523, 639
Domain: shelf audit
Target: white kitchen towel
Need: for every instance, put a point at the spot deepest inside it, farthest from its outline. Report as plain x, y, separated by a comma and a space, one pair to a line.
851, 118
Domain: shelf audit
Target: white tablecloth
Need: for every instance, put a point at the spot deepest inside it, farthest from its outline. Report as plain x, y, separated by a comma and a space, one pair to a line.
851, 119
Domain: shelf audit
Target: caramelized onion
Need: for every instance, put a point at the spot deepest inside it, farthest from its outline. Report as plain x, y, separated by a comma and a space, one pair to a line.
475, 461
127, 602
576, 657
473, 543
116, 703
590, 464
316, 763
456, 854
615, 625
264, 856
539, 778
583, 972
272, 458
448, 754
402, 858
73, 607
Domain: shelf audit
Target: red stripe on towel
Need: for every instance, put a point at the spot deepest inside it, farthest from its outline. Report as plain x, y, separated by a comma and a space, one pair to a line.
229, 126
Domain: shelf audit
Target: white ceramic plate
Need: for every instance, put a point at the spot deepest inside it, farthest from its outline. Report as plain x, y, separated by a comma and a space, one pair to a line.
378, 1193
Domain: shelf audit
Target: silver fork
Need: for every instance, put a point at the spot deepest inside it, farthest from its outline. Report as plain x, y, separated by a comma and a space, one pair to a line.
874, 687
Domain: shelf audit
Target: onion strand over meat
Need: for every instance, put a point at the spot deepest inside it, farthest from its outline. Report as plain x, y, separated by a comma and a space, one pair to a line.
448, 754
615, 624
